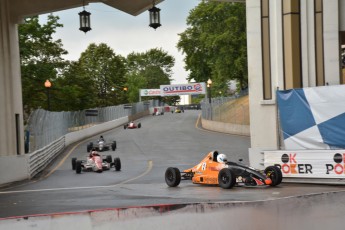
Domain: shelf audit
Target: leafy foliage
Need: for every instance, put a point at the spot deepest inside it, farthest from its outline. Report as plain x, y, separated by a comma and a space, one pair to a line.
106, 71
148, 70
40, 59
215, 44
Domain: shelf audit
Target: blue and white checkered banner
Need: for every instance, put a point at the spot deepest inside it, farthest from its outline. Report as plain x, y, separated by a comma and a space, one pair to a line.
313, 118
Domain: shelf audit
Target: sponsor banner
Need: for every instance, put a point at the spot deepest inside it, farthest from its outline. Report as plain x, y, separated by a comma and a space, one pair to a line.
312, 118
183, 89
150, 92
91, 112
308, 164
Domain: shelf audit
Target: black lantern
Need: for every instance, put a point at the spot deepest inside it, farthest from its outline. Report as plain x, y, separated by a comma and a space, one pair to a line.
155, 20
84, 17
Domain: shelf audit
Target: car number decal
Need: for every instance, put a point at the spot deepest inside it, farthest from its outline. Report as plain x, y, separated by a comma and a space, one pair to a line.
203, 167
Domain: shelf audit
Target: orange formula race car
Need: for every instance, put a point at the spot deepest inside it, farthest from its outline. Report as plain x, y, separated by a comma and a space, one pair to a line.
214, 169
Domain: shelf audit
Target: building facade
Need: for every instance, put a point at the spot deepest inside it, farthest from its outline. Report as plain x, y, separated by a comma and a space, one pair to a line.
291, 44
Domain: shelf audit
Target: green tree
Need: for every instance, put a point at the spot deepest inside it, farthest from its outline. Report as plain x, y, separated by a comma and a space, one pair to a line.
148, 70
40, 58
75, 89
215, 44
107, 72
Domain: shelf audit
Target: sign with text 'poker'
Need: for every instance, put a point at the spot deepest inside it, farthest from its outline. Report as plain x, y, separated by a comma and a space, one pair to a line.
183, 89
308, 163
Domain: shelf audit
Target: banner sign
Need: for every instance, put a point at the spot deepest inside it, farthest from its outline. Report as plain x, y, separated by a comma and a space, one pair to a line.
308, 164
150, 92
313, 118
183, 89
91, 112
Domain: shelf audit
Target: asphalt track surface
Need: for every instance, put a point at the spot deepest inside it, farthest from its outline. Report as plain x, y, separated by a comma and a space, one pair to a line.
163, 141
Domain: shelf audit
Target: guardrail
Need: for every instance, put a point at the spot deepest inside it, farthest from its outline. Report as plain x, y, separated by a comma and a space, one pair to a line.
40, 159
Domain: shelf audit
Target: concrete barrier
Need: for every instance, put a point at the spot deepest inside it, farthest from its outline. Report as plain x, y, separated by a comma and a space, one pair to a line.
13, 168
93, 130
229, 128
22, 167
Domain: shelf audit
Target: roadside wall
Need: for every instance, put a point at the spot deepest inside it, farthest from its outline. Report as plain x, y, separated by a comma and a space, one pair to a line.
17, 168
222, 127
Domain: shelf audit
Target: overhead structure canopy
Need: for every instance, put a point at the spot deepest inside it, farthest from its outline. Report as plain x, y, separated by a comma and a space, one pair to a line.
24, 8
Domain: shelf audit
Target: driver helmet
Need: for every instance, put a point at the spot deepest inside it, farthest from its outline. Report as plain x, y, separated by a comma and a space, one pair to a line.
221, 158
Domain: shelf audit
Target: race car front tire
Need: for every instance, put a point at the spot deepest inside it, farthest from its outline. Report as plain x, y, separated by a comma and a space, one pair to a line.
78, 167
226, 178
117, 164
74, 161
275, 174
113, 145
172, 177
139, 125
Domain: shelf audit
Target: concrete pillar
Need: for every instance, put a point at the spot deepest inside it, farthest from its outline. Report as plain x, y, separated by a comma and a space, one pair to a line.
11, 106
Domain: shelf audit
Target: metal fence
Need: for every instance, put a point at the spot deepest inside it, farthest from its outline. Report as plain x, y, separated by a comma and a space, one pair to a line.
44, 127
221, 109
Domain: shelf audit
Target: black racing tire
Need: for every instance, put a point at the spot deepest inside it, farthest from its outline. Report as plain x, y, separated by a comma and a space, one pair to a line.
108, 159
74, 162
226, 178
89, 147
172, 177
275, 174
78, 167
113, 145
117, 164
125, 127
139, 125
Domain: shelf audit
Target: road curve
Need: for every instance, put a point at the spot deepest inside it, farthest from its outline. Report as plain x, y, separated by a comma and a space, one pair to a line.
145, 153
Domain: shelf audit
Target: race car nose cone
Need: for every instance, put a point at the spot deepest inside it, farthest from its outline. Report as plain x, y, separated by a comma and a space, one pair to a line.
268, 181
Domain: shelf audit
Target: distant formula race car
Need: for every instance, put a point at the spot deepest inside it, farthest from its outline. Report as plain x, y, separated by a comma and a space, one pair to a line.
96, 163
101, 145
224, 173
132, 125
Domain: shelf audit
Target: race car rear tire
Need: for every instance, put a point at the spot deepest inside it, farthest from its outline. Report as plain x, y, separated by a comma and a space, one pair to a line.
275, 174
125, 127
117, 164
226, 178
108, 159
113, 145
172, 177
139, 125
74, 161
78, 167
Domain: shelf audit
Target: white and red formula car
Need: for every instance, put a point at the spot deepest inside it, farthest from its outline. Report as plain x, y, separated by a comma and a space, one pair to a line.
95, 163
132, 125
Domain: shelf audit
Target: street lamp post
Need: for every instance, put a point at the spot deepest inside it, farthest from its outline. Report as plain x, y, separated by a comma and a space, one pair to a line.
48, 84
209, 84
